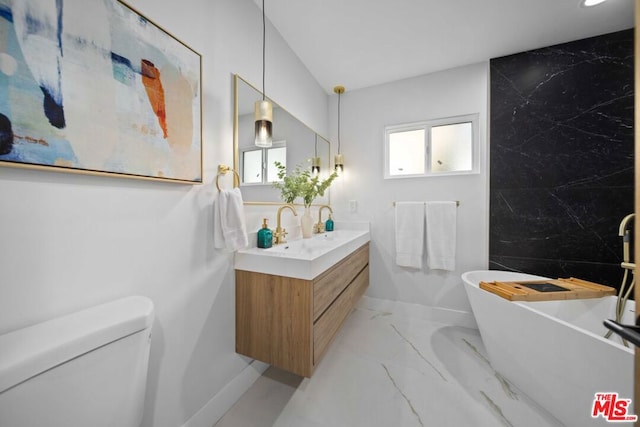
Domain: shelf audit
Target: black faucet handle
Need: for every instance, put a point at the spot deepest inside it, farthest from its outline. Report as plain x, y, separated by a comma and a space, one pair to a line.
629, 332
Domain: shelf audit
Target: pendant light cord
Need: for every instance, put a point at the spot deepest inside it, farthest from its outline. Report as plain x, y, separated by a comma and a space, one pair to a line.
339, 94
264, 45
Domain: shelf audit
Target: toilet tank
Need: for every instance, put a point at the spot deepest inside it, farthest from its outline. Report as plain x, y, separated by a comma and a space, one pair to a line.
84, 369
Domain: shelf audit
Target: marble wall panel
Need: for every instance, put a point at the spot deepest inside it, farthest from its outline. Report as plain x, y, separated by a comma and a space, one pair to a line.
561, 158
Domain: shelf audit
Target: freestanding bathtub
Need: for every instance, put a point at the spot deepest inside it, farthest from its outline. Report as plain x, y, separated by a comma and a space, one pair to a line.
554, 351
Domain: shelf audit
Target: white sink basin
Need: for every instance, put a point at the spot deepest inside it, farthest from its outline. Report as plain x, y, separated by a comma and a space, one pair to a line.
302, 258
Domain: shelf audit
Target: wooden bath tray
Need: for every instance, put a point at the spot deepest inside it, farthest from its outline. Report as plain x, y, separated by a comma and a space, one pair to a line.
547, 290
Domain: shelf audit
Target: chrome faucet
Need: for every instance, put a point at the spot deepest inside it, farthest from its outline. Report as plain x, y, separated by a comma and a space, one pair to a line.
278, 236
319, 227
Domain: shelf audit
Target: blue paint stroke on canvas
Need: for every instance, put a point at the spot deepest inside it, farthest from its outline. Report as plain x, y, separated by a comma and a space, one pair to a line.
6, 135
41, 152
52, 109
39, 35
5, 13
59, 32
123, 70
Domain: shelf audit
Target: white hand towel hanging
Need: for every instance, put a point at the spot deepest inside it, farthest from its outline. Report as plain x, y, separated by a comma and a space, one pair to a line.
229, 228
441, 235
409, 234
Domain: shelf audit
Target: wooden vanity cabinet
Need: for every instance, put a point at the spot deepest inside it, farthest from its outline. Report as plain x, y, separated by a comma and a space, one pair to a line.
288, 322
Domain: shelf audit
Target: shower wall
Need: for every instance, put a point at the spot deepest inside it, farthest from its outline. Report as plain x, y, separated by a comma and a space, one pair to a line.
561, 158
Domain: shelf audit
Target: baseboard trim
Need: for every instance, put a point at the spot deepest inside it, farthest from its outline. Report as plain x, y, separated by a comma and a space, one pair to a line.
210, 413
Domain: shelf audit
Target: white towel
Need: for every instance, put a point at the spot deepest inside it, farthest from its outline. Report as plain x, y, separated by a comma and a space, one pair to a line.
409, 234
218, 237
441, 235
229, 230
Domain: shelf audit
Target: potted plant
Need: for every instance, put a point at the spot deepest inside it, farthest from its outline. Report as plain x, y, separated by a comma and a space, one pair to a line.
300, 183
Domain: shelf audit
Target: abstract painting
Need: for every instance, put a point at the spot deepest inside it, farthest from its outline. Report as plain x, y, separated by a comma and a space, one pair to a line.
92, 86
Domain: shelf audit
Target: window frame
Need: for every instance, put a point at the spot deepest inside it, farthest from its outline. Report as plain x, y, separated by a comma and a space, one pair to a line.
264, 159
426, 125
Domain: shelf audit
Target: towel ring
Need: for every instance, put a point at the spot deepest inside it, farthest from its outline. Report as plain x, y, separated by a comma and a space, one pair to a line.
222, 170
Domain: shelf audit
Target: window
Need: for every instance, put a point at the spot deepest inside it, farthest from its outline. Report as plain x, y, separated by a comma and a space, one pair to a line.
252, 166
275, 154
436, 147
258, 164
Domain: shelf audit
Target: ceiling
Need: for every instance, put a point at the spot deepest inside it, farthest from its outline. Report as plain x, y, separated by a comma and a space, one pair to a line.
361, 43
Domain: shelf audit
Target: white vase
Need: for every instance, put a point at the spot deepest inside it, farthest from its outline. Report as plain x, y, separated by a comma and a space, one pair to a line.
306, 223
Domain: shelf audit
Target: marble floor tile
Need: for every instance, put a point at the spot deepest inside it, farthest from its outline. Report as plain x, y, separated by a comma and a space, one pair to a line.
386, 369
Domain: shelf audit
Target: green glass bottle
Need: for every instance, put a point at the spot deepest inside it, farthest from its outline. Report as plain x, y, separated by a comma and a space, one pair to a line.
265, 236
328, 225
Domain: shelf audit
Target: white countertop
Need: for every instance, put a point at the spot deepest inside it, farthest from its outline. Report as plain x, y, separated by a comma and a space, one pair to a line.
305, 258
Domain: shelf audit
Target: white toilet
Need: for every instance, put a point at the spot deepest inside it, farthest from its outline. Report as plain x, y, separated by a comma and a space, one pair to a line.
85, 369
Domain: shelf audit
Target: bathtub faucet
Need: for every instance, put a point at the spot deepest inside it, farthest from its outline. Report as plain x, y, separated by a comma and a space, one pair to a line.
625, 233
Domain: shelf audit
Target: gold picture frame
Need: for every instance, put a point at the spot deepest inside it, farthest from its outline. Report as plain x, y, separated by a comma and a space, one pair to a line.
98, 89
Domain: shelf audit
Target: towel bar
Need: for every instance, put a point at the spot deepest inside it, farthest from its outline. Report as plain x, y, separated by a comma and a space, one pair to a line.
222, 170
457, 203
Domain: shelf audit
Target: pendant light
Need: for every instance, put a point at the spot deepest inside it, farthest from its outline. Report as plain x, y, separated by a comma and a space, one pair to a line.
315, 162
339, 158
263, 111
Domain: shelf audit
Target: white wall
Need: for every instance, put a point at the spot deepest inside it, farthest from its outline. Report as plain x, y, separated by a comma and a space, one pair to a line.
364, 114
68, 241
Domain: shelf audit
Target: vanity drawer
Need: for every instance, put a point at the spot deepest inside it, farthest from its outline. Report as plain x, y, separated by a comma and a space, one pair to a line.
331, 283
288, 322
329, 323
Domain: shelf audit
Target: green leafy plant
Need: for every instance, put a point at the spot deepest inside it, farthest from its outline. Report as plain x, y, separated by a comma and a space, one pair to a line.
300, 183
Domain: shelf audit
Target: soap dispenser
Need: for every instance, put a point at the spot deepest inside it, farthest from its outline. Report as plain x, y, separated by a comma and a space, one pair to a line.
328, 225
265, 235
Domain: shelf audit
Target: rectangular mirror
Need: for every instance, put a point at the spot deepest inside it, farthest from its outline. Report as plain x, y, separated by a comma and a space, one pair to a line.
294, 144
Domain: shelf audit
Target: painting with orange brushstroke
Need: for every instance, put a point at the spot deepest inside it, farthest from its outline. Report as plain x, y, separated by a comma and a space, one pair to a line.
120, 96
